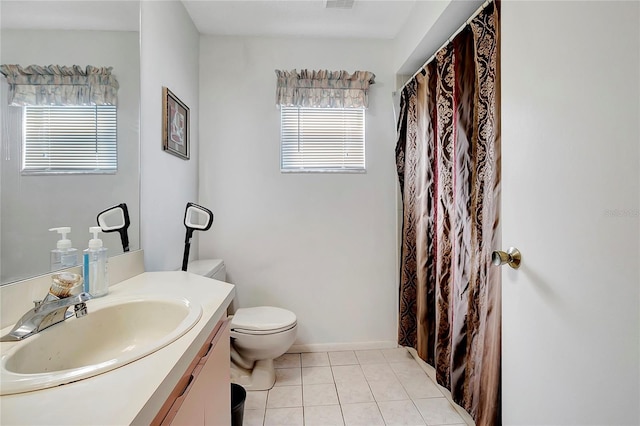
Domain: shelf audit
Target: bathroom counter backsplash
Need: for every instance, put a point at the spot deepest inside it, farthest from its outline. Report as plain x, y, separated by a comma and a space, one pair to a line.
17, 298
133, 393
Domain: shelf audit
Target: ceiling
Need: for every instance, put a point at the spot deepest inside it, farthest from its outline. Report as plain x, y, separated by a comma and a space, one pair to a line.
104, 15
381, 19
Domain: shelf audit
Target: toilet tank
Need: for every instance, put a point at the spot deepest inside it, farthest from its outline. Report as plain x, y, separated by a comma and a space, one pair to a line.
210, 268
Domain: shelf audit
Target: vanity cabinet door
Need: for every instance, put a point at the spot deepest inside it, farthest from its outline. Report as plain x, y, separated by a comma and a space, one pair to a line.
207, 399
216, 374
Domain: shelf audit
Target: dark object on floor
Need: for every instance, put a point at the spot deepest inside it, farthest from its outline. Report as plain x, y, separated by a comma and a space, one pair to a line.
238, 395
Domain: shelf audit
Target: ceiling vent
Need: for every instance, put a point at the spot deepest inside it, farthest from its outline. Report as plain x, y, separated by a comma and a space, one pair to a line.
339, 4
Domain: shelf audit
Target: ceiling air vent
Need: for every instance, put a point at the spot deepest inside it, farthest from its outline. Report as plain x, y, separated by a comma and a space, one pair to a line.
339, 4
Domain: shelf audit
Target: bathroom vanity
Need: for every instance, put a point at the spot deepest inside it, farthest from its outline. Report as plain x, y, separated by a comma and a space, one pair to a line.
184, 382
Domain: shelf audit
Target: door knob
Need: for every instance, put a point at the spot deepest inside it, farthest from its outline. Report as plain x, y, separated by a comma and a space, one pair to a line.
512, 257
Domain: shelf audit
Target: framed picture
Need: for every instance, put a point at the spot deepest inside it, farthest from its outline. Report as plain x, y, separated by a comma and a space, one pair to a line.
175, 125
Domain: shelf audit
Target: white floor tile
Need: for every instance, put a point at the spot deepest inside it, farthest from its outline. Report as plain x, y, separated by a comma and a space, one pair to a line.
378, 372
256, 400
406, 369
315, 359
284, 417
353, 392
438, 411
288, 376
316, 375
343, 358
370, 357
366, 414
367, 387
397, 355
347, 373
253, 417
407, 373
330, 415
287, 361
400, 413
388, 390
420, 386
285, 396
323, 394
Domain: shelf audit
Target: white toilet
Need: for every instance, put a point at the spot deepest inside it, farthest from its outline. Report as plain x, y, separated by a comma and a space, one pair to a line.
258, 335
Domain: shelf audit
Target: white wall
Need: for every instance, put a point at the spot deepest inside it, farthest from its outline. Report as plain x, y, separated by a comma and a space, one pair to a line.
322, 245
33, 204
423, 16
430, 25
571, 186
169, 57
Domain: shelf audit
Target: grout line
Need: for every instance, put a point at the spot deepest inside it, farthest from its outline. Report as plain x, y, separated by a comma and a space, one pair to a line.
301, 390
344, 422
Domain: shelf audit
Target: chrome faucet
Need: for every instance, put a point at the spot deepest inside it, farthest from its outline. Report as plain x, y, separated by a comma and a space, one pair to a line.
47, 312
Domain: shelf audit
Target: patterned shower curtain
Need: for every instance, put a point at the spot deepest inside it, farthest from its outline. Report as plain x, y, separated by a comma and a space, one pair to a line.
448, 162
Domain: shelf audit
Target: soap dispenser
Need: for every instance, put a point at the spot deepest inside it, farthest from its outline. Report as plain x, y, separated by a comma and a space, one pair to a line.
96, 281
63, 256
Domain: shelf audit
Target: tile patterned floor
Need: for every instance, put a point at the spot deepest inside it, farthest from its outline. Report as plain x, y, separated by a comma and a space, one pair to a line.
372, 387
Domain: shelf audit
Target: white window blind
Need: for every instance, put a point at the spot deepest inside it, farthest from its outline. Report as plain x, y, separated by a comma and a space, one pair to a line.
322, 139
69, 139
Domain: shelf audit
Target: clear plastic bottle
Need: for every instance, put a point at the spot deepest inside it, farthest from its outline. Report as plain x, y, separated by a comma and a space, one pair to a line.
63, 256
96, 280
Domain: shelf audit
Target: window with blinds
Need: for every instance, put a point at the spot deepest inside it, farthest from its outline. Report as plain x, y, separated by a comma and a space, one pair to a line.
322, 139
69, 139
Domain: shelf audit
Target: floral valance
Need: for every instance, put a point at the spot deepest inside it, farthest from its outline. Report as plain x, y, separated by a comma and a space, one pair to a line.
324, 89
60, 85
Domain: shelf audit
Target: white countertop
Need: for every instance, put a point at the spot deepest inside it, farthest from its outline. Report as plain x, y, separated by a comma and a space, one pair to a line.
134, 393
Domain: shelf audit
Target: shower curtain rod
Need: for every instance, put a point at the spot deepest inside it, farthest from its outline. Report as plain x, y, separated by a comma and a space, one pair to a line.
449, 40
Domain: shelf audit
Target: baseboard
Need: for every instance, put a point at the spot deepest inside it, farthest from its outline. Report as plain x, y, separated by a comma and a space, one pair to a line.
332, 347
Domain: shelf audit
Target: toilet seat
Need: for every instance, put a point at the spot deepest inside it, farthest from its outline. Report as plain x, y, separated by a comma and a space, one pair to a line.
236, 331
262, 320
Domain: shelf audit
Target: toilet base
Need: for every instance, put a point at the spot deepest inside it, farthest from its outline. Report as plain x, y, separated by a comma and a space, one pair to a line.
261, 377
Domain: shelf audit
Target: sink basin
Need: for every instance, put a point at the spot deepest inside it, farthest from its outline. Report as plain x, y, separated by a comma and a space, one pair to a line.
115, 332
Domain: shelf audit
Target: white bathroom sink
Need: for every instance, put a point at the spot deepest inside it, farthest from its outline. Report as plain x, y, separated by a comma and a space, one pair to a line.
115, 332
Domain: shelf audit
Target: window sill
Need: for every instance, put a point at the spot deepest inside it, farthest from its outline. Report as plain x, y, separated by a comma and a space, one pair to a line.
304, 171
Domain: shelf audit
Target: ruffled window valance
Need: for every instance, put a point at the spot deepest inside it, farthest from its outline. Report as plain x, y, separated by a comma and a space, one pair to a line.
60, 85
324, 89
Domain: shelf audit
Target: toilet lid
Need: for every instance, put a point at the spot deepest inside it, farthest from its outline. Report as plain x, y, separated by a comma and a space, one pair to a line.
262, 318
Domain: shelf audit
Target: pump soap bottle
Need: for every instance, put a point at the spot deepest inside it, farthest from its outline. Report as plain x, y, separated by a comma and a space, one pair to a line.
96, 281
63, 256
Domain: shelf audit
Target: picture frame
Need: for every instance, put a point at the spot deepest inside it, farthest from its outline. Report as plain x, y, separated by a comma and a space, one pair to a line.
175, 125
